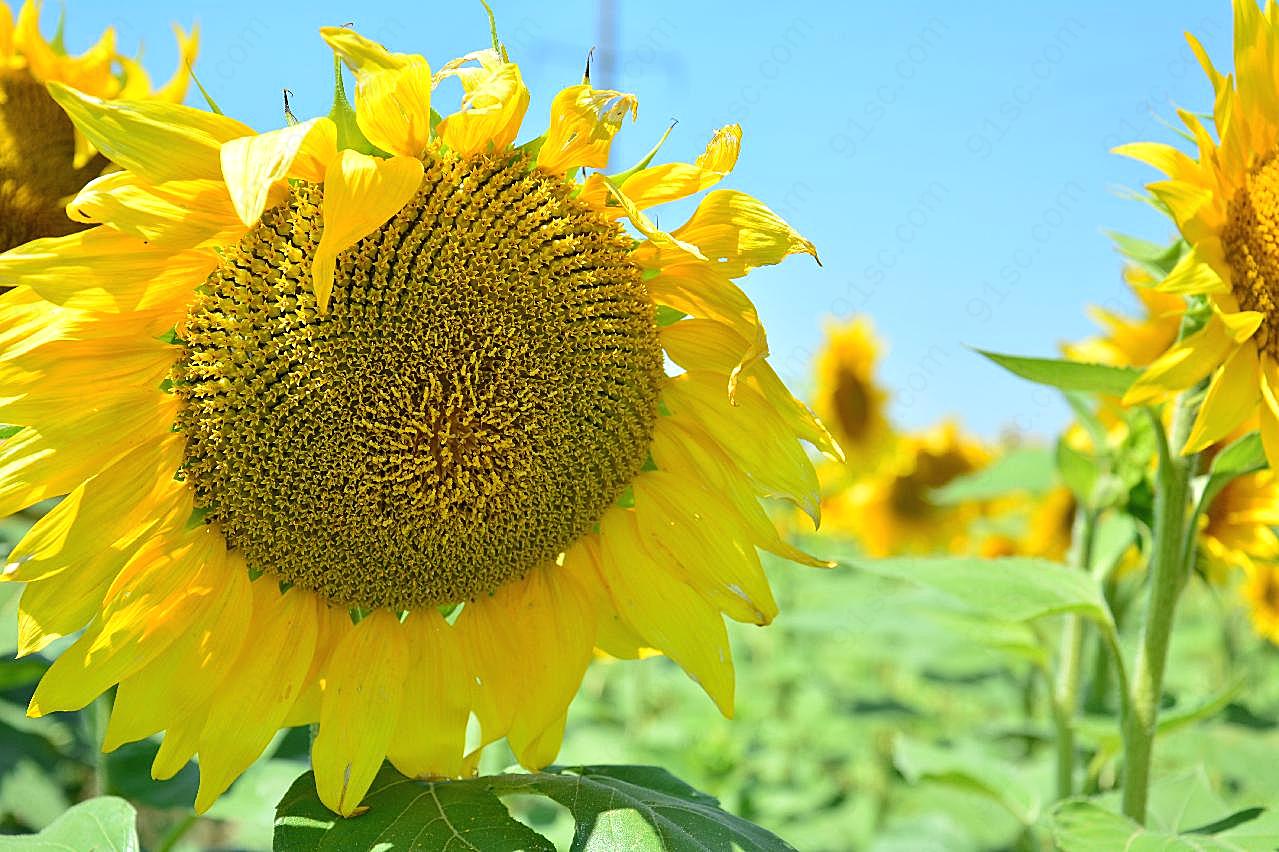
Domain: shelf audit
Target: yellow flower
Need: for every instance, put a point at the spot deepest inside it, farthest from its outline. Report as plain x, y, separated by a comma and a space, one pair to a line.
1129, 341
1225, 201
849, 399
893, 510
43, 161
1051, 525
1239, 525
1260, 592
381, 440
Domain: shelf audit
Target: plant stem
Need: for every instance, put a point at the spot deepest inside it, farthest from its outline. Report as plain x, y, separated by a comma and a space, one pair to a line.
1167, 578
1066, 692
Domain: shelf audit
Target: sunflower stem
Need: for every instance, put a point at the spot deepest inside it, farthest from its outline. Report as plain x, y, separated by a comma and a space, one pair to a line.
1168, 571
1066, 692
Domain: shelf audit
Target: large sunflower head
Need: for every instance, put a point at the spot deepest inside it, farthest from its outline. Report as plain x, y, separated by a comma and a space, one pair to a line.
364, 422
848, 398
1225, 200
893, 510
43, 159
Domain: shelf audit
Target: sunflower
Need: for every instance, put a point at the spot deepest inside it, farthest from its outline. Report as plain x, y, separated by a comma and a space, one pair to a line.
43, 160
364, 422
1133, 341
1260, 592
849, 399
893, 511
1225, 202
1238, 528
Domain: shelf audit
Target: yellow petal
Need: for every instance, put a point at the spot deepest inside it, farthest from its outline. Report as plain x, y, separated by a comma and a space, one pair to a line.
264, 681
360, 194
178, 746
737, 232
1184, 364
752, 432
430, 737
163, 588
332, 626
1192, 276
1231, 399
175, 89
547, 621
672, 181
159, 141
148, 702
493, 106
583, 123
1269, 410
665, 611
695, 529
254, 165
102, 269
683, 448
362, 697
393, 92
178, 214
99, 511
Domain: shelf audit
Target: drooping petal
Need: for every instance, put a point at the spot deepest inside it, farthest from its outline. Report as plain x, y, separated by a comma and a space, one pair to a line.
183, 678
584, 121
689, 525
665, 611
494, 101
159, 141
263, 683
360, 194
1184, 364
179, 214
1231, 398
254, 165
430, 737
673, 181
546, 621
737, 232
361, 707
1269, 409
168, 584
102, 269
393, 92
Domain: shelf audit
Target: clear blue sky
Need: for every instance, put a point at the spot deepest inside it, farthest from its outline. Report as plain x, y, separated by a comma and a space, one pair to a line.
950, 161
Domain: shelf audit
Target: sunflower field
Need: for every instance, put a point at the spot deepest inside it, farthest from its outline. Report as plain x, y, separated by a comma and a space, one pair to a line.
418, 473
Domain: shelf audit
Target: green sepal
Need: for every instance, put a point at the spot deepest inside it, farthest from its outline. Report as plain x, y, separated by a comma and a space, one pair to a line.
343, 117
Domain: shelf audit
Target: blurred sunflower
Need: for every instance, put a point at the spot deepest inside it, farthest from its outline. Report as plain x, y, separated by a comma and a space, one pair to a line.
849, 400
1260, 592
43, 159
364, 422
1133, 341
1238, 527
1050, 529
1225, 201
893, 510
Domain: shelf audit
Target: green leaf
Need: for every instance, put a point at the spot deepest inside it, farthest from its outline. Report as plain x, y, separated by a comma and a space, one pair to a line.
972, 770
1156, 259
1240, 458
1078, 470
1027, 469
403, 814
1068, 375
614, 807
105, 824
1116, 533
1083, 826
1015, 589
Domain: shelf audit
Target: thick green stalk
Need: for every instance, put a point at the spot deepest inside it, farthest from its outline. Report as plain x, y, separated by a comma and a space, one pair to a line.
1168, 567
1066, 691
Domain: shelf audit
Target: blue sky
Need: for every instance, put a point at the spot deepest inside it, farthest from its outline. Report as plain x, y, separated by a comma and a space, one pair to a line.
950, 161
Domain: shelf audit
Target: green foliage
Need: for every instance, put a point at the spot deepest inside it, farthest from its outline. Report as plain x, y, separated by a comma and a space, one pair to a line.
1026, 470
614, 807
105, 824
1067, 375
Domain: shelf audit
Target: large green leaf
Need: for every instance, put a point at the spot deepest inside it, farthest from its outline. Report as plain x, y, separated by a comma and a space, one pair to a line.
970, 769
1068, 375
1027, 469
1014, 589
105, 824
614, 807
